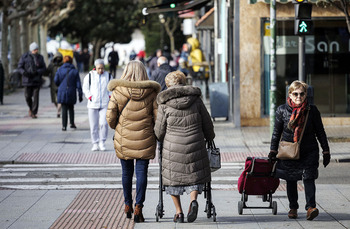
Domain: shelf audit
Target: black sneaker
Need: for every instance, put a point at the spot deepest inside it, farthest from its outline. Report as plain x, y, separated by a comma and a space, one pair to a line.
64, 128
73, 126
193, 211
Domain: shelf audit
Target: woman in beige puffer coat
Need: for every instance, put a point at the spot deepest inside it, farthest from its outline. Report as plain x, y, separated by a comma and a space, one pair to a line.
183, 124
132, 111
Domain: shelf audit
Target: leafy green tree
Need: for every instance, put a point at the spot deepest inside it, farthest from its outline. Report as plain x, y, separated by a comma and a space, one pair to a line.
99, 22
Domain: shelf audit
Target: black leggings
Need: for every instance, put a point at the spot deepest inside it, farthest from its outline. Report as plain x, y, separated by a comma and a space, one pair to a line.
65, 109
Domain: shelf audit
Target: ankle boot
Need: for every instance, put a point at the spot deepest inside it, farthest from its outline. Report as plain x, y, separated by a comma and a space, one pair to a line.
128, 210
138, 217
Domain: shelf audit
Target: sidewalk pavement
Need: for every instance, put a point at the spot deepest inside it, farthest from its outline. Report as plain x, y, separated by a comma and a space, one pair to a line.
41, 140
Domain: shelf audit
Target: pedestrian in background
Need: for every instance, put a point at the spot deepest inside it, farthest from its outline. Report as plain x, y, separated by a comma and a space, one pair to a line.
131, 113
113, 60
95, 90
160, 73
86, 59
78, 56
152, 64
183, 124
68, 81
56, 63
289, 122
32, 67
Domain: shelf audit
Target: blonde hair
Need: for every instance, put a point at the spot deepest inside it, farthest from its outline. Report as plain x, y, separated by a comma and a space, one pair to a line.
297, 85
134, 71
175, 78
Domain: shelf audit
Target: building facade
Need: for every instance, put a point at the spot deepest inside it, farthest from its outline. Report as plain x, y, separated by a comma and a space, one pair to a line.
327, 60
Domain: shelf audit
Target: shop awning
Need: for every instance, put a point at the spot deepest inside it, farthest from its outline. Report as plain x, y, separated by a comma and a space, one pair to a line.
206, 21
279, 1
181, 6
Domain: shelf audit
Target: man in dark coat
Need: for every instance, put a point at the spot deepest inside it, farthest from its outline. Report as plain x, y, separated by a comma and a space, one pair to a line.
113, 60
32, 67
160, 73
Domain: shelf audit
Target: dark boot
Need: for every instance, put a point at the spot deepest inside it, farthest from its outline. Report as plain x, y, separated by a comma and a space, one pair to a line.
138, 217
128, 210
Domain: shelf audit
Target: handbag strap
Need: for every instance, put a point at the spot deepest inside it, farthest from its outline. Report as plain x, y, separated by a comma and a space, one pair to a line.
302, 132
211, 145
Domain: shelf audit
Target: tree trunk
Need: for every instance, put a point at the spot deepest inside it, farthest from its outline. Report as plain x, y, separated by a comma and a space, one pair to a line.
24, 35
14, 44
4, 46
43, 35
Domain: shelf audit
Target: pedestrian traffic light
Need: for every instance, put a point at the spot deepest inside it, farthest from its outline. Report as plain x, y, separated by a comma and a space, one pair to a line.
302, 24
303, 27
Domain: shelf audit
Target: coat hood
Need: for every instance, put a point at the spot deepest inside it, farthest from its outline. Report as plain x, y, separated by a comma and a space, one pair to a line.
57, 58
179, 97
193, 42
135, 90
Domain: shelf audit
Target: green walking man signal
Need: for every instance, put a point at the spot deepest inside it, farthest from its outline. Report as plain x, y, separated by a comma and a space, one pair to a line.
303, 27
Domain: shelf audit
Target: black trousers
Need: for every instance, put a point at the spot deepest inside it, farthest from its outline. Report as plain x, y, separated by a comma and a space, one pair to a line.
65, 109
113, 70
33, 104
310, 194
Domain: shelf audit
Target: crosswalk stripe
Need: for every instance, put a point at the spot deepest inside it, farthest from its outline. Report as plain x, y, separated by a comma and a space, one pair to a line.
101, 176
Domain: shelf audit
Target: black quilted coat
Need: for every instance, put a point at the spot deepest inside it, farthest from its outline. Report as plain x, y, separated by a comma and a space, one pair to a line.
307, 166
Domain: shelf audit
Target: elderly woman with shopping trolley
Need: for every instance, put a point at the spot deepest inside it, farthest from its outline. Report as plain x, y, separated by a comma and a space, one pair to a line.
300, 123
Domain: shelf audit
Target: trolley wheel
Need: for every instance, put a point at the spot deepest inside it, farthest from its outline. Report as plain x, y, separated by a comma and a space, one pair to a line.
240, 207
274, 207
157, 214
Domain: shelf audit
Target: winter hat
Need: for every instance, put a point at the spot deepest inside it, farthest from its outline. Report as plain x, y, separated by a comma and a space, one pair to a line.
33, 46
99, 61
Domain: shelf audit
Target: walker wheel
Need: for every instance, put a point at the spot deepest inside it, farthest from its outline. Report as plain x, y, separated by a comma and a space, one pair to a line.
240, 207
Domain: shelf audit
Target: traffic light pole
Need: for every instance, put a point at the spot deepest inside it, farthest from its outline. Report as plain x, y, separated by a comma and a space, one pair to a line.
272, 64
301, 57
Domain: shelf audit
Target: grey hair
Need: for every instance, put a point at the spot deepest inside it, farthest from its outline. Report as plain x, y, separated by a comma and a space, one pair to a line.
162, 60
99, 61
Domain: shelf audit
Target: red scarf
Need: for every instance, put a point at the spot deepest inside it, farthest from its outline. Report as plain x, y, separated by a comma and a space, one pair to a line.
297, 119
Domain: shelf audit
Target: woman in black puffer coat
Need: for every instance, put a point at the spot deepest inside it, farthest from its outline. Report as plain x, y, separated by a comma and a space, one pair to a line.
289, 122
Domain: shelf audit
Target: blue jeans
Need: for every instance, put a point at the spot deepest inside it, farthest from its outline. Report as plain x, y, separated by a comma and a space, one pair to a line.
141, 169
310, 194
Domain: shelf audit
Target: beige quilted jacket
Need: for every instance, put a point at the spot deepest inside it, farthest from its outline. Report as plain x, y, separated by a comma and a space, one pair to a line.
134, 135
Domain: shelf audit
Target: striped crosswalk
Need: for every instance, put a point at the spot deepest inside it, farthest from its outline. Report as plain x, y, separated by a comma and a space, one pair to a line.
94, 176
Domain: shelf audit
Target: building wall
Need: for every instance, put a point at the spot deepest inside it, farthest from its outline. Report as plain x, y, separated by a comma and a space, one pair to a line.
250, 57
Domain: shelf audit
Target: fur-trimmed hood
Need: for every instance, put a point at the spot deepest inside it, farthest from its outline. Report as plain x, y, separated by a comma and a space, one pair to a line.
134, 89
179, 96
133, 84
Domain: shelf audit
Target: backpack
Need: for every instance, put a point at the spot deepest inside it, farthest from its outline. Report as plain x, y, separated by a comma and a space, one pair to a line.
90, 78
30, 66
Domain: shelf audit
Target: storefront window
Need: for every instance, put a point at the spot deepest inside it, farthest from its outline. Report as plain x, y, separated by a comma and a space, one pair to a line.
327, 64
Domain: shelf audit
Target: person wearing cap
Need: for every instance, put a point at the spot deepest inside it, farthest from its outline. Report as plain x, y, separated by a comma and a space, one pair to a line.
32, 66
95, 90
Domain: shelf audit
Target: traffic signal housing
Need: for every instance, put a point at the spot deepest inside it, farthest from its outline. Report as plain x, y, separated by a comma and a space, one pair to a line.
302, 24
